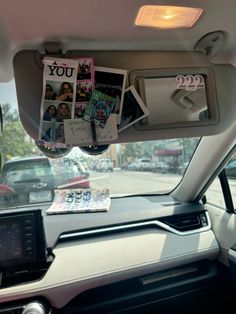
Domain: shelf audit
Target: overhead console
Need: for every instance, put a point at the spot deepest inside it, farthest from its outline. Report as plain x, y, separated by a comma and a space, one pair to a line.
180, 90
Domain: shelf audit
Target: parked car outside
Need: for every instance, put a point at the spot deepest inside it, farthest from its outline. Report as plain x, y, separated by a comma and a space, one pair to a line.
144, 164
132, 166
161, 167
34, 178
105, 165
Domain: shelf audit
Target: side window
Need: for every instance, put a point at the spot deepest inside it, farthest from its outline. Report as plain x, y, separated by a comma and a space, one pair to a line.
222, 192
214, 194
230, 171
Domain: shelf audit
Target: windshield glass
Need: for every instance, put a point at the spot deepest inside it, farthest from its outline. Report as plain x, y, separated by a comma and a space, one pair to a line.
29, 178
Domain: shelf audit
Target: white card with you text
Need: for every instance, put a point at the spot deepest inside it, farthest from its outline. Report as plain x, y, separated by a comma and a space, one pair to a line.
58, 99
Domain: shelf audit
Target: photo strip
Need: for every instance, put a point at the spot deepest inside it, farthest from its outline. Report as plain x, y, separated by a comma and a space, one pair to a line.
58, 99
112, 82
84, 84
133, 110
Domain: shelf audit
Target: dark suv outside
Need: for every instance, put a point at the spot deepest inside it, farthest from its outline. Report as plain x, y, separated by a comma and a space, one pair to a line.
34, 179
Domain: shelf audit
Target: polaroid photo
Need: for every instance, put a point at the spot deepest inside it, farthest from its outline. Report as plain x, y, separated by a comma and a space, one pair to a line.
133, 109
112, 82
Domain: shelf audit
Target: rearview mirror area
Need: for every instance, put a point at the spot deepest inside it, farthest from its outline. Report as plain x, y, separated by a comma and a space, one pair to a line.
185, 94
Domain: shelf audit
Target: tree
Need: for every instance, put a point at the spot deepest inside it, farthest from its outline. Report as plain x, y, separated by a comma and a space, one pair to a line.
14, 140
138, 150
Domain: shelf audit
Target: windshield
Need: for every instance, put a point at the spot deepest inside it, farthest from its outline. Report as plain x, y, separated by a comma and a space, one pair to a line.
28, 177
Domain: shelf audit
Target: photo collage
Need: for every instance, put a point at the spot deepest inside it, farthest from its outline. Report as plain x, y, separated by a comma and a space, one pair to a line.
77, 93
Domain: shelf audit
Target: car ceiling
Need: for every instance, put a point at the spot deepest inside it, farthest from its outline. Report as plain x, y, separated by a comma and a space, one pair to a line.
105, 24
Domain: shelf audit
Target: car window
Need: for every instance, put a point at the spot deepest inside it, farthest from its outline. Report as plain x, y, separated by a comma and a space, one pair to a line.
125, 169
214, 194
230, 171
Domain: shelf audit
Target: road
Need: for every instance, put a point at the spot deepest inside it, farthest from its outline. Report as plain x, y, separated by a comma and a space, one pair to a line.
135, 182
123, 182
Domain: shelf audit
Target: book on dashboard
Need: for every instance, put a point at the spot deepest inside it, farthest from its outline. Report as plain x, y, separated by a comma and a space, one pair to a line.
80, 201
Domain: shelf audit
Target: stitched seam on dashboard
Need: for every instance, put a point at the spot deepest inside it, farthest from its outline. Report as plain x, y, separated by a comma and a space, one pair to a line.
83, 278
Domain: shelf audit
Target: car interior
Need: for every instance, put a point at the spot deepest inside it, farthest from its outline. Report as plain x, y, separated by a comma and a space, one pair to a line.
118, 156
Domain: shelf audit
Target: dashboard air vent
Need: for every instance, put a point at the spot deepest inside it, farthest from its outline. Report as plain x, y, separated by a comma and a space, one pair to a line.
171, 204
186, 222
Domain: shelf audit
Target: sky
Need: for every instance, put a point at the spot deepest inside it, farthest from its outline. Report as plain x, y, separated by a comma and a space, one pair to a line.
8, 94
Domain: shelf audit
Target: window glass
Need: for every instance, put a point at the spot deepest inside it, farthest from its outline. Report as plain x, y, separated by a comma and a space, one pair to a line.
215, 195
125, 169
230, 170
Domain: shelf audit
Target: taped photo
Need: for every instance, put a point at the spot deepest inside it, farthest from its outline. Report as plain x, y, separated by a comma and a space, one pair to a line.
133, 110
112, 82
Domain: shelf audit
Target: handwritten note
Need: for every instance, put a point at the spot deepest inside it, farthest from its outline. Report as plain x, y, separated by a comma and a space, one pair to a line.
78, 131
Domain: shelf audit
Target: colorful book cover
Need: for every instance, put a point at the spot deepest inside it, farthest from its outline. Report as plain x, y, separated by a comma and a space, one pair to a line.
80, 201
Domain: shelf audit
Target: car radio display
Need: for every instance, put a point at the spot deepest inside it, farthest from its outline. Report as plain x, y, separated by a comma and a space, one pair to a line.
10, 241
22, 238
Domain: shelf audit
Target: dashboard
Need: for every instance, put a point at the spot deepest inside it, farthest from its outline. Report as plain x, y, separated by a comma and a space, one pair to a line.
85, 263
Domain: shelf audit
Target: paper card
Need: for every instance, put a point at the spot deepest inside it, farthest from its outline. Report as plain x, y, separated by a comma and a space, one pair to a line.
99, 108
133, 109
58, 99
112, 82
80, 201
78, 131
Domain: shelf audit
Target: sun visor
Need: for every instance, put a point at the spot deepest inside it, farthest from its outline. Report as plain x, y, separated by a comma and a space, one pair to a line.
104, 97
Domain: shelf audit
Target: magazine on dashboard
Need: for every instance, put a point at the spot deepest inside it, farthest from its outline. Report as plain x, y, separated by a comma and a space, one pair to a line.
80, 201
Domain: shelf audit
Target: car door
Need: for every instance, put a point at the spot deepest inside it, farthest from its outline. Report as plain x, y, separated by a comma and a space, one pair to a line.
220, 201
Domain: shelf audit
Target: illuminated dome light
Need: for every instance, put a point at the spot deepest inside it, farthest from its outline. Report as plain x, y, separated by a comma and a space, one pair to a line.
167, 17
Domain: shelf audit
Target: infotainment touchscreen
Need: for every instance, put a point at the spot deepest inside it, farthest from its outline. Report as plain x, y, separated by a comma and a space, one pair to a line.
10, 241
21, 238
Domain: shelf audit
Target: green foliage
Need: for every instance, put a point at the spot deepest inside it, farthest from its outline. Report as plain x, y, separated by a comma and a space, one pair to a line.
14, 141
